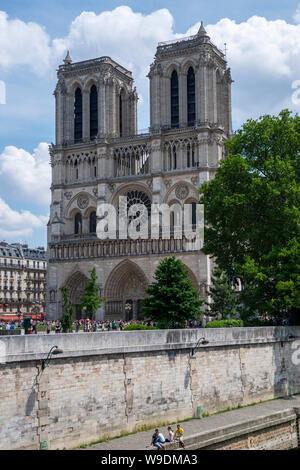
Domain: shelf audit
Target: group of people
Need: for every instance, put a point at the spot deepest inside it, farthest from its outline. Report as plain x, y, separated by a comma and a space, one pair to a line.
159, 441
8, 325
87, 325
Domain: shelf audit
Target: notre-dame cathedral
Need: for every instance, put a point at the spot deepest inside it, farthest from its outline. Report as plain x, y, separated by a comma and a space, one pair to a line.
99, 156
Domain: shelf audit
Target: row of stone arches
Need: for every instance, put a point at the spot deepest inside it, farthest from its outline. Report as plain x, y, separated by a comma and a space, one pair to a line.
123, 291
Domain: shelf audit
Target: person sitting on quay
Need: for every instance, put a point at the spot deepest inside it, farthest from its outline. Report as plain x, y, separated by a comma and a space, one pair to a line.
158, 440
171, 435
179, 435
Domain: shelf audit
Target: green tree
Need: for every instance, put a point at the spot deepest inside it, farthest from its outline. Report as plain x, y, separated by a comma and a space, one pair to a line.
224, 297
252, 214
171, 297
68, 310
90, 300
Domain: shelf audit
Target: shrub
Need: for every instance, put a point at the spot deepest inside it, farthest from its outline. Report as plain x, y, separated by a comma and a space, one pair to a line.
139, 326
135, 326
230, 322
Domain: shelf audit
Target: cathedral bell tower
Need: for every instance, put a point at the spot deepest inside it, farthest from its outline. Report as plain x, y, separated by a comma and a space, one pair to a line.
190, 85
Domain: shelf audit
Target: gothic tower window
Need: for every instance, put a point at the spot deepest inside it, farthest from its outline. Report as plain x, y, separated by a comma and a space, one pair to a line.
120, 116
191, 107
188, 152
93, 112
194, 217
174, 158
93, 222
78, 224
78, 115
190, 156
76, 172
174, 100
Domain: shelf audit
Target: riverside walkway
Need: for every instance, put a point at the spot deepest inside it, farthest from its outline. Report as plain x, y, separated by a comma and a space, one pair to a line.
269, 425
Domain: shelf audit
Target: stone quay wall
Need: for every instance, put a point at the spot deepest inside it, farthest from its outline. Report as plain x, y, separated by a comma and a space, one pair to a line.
103, 384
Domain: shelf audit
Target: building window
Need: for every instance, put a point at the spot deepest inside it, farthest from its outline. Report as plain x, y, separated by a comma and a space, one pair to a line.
174, 158
93, 112
76, 170
194, 216
93, 222
78, 115
174, 100
78, 224
120, 115
190, 156
191, 104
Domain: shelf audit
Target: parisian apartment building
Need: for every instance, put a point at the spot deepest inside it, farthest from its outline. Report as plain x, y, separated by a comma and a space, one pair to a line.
22, 279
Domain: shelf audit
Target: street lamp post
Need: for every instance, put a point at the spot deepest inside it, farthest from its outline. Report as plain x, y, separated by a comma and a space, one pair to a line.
54, 350
199, 342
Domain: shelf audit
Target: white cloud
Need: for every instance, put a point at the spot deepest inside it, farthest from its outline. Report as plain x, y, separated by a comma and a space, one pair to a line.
26, 176
296, 16
15, 225
129, 37
23, 44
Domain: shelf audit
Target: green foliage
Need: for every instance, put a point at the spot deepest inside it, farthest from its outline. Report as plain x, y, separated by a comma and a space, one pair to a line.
90, 300
252, 215
135, 326
138, 326
171, 297
68, 310
224, 298
230, 322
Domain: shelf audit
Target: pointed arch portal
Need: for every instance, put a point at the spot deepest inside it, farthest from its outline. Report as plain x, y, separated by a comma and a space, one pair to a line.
77, 283
124, 291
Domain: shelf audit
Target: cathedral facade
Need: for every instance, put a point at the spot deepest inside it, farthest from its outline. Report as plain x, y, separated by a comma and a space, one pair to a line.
99, 157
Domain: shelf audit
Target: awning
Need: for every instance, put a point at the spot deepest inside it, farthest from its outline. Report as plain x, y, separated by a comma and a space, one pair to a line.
10, 317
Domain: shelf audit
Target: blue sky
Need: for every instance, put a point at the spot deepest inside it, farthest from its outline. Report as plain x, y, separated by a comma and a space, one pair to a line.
263, 44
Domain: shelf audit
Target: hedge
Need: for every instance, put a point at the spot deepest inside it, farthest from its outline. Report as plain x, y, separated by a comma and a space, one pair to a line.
230, 322
138, 326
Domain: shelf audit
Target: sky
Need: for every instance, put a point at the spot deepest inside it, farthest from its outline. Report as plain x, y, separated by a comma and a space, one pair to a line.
263, 51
